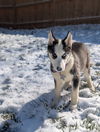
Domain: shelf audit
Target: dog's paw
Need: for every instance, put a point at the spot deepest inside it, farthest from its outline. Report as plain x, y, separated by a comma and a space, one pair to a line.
93, 90
73, 107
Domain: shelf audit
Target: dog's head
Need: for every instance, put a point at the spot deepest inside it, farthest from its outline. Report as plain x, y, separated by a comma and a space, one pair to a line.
59, 51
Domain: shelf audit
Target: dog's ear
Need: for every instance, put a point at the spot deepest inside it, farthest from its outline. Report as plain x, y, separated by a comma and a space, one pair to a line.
51, 38
68, 39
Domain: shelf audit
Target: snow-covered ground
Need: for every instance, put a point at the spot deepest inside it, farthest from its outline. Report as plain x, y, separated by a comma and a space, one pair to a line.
26, 84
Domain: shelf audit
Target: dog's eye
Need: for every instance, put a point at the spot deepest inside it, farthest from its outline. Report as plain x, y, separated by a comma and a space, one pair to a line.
54, 56
64, 56
68, 49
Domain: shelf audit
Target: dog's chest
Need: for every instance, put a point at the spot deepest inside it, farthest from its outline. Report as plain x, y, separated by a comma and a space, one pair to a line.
63, 76
66, 76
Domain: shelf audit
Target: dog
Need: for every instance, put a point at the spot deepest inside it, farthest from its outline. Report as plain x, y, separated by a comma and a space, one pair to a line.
68, 59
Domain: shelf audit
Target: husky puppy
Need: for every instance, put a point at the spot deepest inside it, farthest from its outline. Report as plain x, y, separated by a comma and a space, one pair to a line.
68, 59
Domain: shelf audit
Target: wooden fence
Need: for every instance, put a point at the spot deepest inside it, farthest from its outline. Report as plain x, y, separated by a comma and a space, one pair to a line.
44, 13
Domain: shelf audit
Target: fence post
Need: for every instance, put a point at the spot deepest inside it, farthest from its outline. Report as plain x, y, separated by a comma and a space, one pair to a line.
53, 12
15, 15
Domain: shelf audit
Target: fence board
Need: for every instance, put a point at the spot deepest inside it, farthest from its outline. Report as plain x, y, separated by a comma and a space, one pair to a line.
42, 13
30, 2
6, 15
38, 12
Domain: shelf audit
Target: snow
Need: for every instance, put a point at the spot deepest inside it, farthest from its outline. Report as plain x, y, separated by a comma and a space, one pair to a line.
26, 84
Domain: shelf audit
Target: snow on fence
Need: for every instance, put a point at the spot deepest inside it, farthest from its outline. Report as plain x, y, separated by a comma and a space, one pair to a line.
44, 13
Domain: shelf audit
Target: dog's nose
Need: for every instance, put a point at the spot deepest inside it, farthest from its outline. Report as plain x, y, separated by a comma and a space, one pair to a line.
59, 69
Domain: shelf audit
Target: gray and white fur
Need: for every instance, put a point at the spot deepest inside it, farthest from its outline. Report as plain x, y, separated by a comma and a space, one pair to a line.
68, 59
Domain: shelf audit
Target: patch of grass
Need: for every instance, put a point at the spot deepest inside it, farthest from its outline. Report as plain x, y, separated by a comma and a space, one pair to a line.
57, 119
88, 124
91, 125
9, 116
5, 127
97, 73
63, 125
73, 127
97, 64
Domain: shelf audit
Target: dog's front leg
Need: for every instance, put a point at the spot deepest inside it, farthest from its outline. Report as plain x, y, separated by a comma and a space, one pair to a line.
75, 92
58, 88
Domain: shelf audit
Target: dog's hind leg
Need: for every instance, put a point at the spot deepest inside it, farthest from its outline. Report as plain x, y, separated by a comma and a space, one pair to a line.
89, 80
88, 76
